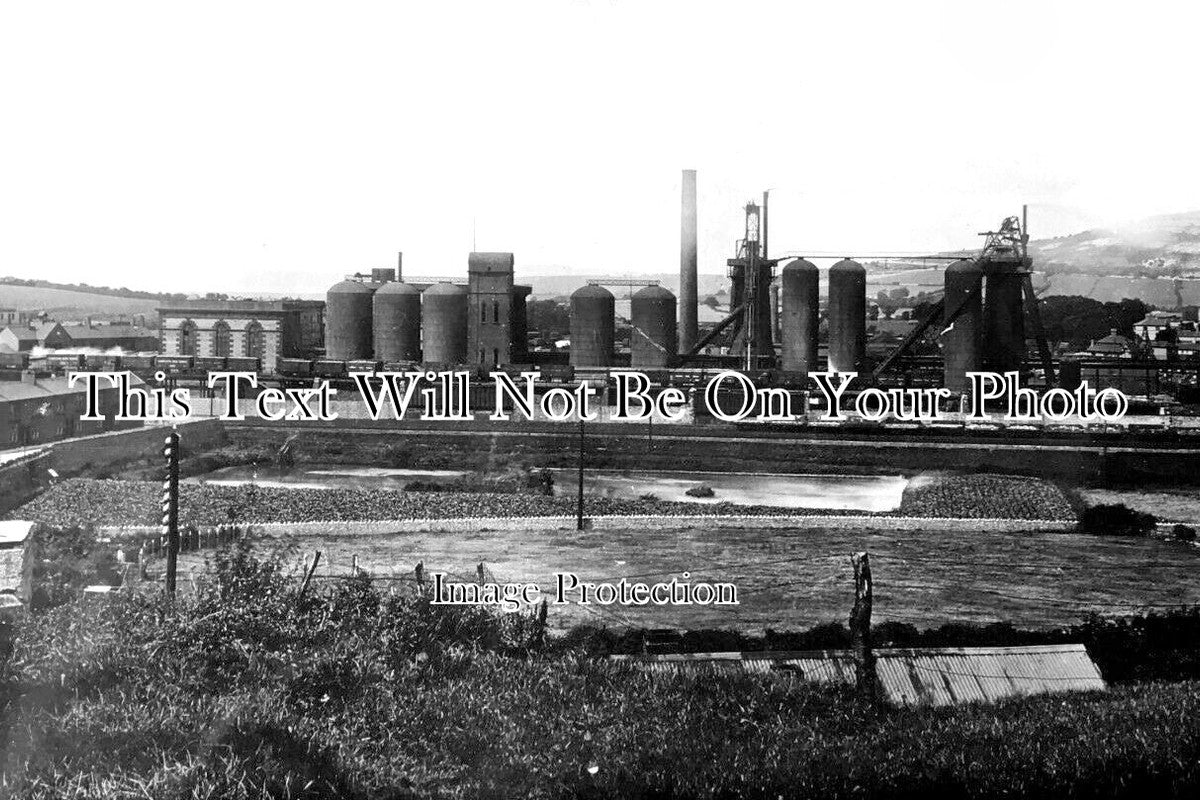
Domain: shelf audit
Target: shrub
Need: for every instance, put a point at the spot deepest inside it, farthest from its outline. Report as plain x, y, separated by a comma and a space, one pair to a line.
65, 560
1116, 519
1184, 533
703, 490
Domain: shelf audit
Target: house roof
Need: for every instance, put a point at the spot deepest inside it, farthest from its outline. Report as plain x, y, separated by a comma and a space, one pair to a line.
45, 388
15, 531
1113, 343
1159, 319
24, 333
84, 333
936, 676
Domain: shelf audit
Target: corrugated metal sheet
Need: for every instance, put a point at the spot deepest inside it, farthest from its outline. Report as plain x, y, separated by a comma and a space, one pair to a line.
935, 676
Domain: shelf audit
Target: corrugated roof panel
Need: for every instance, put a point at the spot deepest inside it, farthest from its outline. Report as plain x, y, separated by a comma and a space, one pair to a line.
924, 676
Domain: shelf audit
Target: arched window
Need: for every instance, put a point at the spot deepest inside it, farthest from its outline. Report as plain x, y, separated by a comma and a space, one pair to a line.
222, 339
496, 311
256, 341
187, 338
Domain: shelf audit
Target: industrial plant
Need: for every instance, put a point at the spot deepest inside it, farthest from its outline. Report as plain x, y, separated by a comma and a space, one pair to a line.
786, 318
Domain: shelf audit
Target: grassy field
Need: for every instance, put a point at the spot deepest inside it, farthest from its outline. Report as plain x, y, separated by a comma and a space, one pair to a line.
41, 298
796, 578
1169, 506
251, 691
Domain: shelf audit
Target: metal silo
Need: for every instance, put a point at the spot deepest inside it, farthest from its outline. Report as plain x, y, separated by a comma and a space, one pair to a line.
962, 338
1003, 318
654, 341
444, 318
348, 321
397, 322
592, 327
801, 317
847, 316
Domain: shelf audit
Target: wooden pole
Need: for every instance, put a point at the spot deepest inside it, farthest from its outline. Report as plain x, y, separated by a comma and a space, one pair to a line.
865, 677
170, 508
579, 503
316, 559
539, 636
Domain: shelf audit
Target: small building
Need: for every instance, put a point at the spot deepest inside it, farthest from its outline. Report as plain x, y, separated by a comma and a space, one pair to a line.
18, 338
16, 566
35, 410
263, 329
1148, 328
60, 336
1113, 346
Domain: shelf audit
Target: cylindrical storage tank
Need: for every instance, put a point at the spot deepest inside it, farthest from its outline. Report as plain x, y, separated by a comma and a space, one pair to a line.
1003, 320
592, 328
444, 319
654, 341
801, 317
397, 322
348, 328
847, 316
962, 335
1070, 375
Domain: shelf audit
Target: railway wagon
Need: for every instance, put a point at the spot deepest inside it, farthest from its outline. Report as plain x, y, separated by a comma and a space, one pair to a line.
102, 362
139, 364
363, 365
64, 361
241, 364
173, 365
294, 367
210, 363
14, 361
324, 368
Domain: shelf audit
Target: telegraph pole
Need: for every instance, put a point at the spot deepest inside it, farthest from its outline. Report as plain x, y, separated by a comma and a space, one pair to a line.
170, 508
579, 504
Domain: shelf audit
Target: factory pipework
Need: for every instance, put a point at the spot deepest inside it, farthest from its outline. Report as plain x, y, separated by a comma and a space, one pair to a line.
688, 265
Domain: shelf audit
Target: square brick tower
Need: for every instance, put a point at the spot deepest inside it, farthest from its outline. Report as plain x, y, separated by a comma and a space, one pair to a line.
490, 311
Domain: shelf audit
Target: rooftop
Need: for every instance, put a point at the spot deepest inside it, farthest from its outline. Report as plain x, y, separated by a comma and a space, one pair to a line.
15, 531
46, 388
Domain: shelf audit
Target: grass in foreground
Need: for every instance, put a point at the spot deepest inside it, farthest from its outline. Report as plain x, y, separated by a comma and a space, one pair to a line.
249, 691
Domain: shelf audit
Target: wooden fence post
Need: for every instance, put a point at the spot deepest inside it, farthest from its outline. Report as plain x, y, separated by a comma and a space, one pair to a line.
316, 559
539, 631
865, 678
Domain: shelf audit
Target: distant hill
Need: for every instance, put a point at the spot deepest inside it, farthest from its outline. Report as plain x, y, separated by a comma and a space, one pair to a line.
66, 302
1166, 246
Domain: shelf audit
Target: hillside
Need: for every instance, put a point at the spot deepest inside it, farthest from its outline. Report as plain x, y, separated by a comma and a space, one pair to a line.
1162, 246
65, 302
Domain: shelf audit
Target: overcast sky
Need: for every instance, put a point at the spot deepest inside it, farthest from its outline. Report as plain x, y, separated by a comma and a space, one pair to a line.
250, 146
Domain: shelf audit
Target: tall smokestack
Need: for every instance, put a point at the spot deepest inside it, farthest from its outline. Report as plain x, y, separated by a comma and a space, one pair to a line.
687, 265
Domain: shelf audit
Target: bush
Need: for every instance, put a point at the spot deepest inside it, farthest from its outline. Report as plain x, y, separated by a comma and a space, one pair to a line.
65, 560
1184, 533
1116, 519
703, 490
